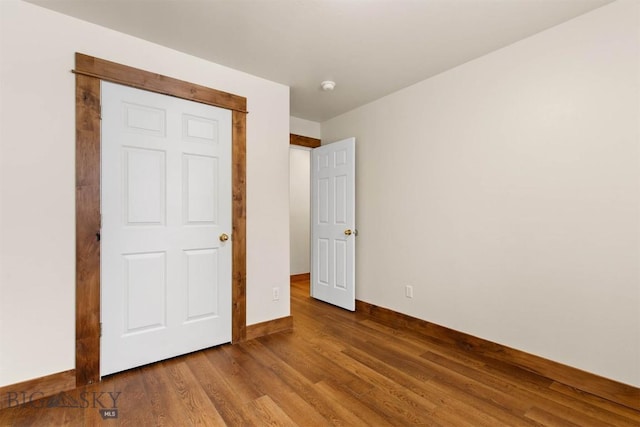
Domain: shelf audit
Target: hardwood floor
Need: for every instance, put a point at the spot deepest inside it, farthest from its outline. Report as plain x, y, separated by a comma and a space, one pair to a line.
335, 368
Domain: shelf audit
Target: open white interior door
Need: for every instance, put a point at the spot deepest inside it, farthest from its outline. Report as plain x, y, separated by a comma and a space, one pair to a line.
333, 232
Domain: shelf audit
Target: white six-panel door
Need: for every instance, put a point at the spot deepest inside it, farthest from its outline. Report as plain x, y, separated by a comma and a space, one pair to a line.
333, 225
166, 200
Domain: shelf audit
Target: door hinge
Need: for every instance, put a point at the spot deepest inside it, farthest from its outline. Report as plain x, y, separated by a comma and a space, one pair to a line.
100, 328
98, 236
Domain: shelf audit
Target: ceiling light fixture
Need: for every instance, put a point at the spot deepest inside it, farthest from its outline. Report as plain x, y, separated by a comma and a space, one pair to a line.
328, 85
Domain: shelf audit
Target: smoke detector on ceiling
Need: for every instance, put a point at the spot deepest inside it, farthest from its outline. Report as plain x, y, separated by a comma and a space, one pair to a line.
328, 85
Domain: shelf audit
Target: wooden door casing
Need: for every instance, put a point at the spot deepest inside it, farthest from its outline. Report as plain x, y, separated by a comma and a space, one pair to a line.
89, 72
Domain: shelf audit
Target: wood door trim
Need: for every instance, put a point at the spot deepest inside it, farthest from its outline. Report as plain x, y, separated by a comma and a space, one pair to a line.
89, 72
239, 225
304, 141
128, 76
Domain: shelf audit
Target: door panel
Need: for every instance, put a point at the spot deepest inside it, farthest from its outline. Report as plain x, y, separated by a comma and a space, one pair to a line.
341, 199
322, 255
333, 223
200, 189
166, 199
202, 272
145, 289
144, 186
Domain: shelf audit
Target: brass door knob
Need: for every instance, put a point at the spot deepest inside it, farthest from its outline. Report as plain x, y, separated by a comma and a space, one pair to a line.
224, 237
348, 232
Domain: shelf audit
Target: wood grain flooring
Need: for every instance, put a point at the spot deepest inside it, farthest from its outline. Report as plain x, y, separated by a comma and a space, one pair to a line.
335, 368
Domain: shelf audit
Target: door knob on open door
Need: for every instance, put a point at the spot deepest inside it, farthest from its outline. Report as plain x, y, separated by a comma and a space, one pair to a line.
224, 237
348, 232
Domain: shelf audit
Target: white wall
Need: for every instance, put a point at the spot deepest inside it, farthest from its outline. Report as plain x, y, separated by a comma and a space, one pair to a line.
506, 191
304, 127
37, 138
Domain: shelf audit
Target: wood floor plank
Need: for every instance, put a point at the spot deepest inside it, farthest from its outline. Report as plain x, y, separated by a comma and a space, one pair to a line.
265, 412
378, 402
405, 404
199, 410
298, 383
421, 344
219, 389
131, 401
578, 397
300, 410
264, 379
543, 397
294, 353
479, 411
466, 388
499, 386
547, 419
231, 373
168, 407
334, 368
314, 351
366, 415
99, 397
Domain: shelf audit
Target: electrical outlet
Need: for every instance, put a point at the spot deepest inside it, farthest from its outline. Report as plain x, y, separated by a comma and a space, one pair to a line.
276, 294
408, 291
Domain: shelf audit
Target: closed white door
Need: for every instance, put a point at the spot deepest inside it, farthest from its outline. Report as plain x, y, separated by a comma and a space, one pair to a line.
333, 232
166, 213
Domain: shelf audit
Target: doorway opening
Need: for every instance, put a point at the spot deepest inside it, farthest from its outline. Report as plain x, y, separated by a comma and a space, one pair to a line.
300, 205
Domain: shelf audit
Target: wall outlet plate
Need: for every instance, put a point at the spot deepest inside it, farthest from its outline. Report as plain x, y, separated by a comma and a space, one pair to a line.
408, 291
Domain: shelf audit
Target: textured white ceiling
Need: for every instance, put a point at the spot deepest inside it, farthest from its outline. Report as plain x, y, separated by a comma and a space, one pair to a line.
369, 47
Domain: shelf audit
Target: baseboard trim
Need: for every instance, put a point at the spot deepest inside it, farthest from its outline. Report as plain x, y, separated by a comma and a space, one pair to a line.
258, 330
300, 277
605, 388
37, 388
